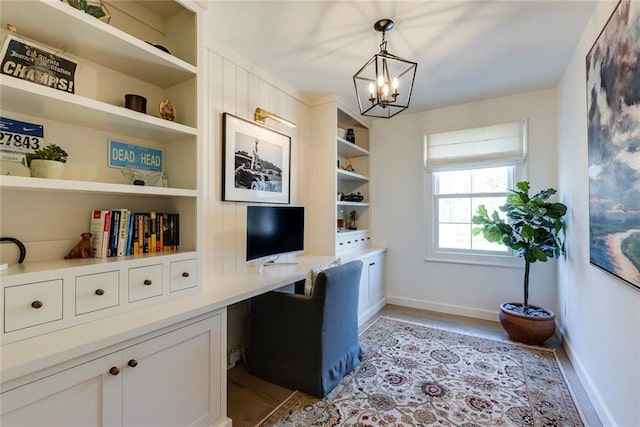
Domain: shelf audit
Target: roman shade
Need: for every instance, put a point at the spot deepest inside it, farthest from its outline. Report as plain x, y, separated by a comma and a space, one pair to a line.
486, 146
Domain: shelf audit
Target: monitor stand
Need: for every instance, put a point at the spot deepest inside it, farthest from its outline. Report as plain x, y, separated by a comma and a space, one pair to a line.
273, 263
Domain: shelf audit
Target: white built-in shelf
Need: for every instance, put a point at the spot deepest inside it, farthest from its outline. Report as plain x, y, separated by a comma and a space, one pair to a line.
31, 98
54, 185
350, 150
351, 176
343, 203
56, 24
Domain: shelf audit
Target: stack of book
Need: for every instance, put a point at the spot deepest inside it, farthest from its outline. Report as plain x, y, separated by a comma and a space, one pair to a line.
120, 232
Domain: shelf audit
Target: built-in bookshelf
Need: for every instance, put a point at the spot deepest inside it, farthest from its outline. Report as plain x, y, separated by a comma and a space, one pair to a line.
49, 215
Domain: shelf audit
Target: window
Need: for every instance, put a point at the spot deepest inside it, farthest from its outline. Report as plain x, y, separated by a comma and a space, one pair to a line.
457, 195
465, 169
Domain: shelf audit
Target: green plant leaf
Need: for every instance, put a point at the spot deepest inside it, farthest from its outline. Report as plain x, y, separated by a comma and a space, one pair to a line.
539, 254
523, 186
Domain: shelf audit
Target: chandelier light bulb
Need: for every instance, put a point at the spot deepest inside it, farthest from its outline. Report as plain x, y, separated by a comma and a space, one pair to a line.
385, 91
380, 80
372, 90
394, 84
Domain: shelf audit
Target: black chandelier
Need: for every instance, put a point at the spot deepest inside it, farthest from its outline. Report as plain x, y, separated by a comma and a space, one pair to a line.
384, 84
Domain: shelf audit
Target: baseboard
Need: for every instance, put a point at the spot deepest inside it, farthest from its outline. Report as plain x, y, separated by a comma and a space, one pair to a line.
596, 399
362, 319
445, 308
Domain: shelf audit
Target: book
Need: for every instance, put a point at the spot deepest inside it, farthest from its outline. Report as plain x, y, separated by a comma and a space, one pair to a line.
152, 231
159, 222
140, 234
146, 232
135, 242
114, 232
128, 245
99, 228
122, 232
165, 232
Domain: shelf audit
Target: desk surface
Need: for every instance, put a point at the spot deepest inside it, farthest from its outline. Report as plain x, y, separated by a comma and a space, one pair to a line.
218, 291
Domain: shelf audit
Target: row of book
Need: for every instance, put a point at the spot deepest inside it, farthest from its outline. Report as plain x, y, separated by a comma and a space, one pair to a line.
120, 232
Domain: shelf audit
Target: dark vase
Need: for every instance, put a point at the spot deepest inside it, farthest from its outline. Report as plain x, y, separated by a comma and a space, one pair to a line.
350, 136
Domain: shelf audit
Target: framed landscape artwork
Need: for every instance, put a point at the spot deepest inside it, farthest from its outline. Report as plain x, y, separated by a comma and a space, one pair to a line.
613, 104
256, 162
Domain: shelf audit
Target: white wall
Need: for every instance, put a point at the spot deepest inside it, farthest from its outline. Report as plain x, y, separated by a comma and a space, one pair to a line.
233, 87
402, 203
601, 315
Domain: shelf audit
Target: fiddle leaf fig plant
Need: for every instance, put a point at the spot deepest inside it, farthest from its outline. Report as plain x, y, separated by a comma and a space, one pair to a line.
532, 227
50, 152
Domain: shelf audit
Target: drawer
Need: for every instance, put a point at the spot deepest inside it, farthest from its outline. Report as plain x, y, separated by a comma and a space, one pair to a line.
145, 282
97, 291
32, 304
183, 275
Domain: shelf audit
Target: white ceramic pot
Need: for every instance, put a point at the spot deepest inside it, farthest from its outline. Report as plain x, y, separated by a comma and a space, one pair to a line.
46, 168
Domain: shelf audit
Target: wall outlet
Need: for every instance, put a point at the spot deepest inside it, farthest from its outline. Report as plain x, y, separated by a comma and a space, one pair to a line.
235, 356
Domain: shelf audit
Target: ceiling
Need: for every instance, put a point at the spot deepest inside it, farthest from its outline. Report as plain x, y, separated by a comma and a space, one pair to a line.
466, 50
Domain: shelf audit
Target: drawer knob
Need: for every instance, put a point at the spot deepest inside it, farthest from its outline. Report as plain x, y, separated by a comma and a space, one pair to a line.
185, 274
36, 304
99, 291
114, 371
147, 282
133, 363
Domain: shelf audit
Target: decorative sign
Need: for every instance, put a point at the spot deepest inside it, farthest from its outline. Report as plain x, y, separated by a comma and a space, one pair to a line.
27, 61
122, 155
18, 139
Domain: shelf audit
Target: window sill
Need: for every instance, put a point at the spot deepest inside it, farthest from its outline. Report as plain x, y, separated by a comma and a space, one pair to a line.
481, 260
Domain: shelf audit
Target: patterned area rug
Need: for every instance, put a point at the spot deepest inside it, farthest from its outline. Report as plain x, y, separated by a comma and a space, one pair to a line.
414, 375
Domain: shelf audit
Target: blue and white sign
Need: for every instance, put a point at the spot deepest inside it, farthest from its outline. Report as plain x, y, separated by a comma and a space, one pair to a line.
122, 155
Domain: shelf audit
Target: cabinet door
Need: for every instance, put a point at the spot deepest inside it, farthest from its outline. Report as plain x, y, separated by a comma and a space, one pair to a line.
363, 297
85, 395
175, 379
376, 279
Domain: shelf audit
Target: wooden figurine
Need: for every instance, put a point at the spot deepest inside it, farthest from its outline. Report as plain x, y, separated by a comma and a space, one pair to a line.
82, 249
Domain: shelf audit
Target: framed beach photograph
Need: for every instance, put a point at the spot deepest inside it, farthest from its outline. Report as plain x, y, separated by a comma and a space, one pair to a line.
255, 162
613, 105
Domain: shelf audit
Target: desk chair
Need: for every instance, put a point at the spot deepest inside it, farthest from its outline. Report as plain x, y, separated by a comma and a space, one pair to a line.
308, 343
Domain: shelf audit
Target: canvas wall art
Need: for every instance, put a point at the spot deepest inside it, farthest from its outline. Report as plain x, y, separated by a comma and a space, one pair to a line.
613, 102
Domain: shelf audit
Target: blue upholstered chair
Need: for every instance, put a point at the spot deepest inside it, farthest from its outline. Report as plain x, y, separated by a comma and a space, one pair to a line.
308, 343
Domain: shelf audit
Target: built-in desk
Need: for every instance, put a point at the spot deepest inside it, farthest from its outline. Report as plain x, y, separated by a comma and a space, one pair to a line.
37, 358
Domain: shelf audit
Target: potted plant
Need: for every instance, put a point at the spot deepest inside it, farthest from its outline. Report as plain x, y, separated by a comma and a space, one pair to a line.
48, 162
533, 230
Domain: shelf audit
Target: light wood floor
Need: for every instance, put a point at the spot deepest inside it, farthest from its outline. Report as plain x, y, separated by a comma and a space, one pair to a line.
250, 399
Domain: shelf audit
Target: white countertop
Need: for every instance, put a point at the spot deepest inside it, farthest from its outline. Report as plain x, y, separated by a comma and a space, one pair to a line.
218, 291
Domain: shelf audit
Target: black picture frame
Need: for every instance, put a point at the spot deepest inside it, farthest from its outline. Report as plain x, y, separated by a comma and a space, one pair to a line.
256, 162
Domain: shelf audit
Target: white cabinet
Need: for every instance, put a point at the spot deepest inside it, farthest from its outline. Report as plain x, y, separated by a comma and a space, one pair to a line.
174, 379
85, 395
49, 215
372, 286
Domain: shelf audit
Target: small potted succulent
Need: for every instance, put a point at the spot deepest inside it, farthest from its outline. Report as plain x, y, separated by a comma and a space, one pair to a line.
48, 162
533, 230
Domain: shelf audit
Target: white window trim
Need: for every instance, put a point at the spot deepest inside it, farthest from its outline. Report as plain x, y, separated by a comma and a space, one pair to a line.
462, 256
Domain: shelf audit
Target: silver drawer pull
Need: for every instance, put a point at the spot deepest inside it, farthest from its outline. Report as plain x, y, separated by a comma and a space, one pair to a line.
147, 282
37, 304
185, 274
99, 291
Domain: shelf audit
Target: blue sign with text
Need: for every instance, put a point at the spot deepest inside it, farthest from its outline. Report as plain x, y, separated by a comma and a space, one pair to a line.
131, 156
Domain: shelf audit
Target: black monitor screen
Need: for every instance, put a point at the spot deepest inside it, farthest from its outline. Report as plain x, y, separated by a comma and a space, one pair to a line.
274, 230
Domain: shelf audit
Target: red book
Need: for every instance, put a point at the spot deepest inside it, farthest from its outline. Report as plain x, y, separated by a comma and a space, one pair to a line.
100, 228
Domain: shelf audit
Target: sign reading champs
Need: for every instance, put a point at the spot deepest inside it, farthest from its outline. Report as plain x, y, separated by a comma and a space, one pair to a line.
122, 155
27, 61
